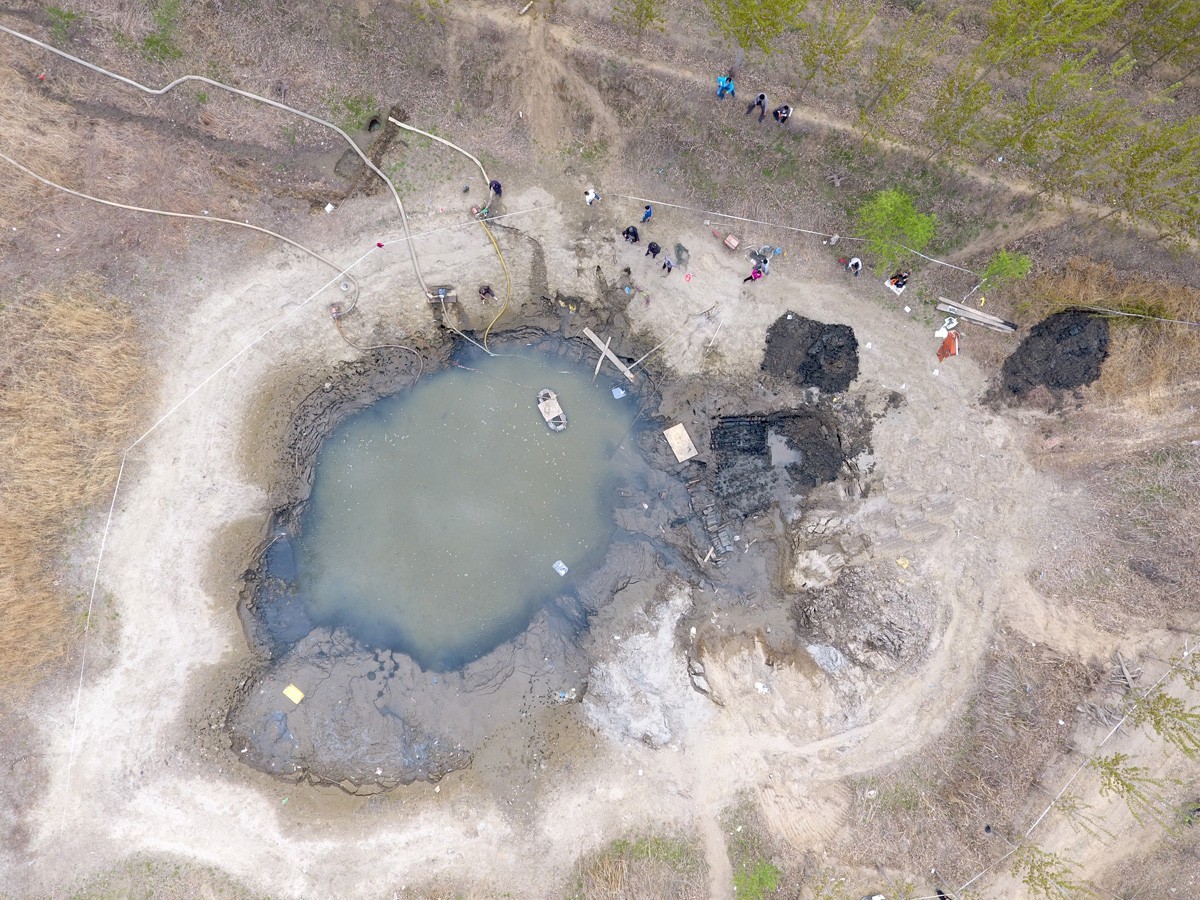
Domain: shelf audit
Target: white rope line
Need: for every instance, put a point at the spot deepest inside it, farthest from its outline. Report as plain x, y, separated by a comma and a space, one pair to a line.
709, 212
158, 92
452, 146
113, 503
162, 212
1170, 671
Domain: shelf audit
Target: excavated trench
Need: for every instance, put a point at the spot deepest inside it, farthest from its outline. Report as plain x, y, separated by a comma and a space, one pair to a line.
379, 712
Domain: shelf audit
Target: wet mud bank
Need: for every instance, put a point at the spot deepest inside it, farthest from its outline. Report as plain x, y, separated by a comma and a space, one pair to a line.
372, 719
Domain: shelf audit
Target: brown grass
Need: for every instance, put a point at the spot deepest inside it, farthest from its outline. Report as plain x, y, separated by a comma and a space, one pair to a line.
27, 139
69, 381
643, 867
931, 813
1147, 358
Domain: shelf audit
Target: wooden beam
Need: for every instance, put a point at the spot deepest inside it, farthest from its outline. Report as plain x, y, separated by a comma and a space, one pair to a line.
600, 361
603, 348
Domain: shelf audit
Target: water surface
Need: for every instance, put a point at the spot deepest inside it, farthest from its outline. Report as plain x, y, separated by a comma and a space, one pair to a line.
437, 515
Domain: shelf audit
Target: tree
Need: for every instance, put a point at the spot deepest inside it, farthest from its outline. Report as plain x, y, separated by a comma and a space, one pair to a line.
900, 60
1142, 793
1019, 33
1004, 268
1162, 30
956, 112
755, 25
1169, 718
1044, 874
1053, 106
1157, 180
829, 44
891, 225
640, 15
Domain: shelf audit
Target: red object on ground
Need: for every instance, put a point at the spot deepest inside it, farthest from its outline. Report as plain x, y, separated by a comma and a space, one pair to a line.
949, 347
379, 244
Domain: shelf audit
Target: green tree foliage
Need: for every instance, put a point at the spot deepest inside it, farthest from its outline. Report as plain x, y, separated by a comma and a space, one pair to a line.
639, 15
1045, 874
1156, 178
900, 60
957, 112
1169, 718
1082, 158
1021, 31
1161, 30
828, 46
1144, 794
892, 226
1005, 268
755, 25
1056, 106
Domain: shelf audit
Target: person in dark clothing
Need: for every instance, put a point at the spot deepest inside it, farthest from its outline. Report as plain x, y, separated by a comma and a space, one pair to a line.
486, 293
899, 281
630, 234
761, 102
496, 187
652, 250
781, 114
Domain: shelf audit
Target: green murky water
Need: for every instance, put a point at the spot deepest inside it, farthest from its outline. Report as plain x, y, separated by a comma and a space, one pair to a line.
437, 515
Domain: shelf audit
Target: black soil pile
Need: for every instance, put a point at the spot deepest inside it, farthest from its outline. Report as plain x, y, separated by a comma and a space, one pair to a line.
811, 353
1062, 352
816, 439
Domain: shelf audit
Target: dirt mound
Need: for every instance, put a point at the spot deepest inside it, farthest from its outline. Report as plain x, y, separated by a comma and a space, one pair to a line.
1062, 352
815, 437
811, 353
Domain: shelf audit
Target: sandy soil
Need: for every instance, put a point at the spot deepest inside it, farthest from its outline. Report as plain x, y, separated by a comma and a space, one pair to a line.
143, 769
954, 517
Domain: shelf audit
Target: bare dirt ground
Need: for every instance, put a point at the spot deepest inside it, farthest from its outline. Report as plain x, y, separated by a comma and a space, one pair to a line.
131, 786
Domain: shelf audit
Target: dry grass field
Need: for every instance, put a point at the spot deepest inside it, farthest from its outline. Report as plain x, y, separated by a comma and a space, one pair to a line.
74, 388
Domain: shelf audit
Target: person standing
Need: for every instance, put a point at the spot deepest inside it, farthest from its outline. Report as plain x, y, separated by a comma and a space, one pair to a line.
725, 86
647, 214
761, 102
652, 250
668, 264
496, 187
782, 113
590, 196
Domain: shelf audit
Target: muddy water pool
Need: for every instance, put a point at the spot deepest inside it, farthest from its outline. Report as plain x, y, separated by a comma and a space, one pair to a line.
437, 515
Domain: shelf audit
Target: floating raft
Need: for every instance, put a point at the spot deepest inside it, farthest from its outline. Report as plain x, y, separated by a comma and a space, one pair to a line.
547, 404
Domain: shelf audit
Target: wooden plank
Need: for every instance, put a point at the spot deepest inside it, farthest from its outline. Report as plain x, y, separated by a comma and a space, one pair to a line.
600, 361
977, 315
603, 348
681, 442
970, 316
976, 312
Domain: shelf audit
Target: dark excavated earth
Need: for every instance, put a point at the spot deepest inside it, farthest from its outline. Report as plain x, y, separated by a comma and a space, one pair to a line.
1062, 352
811, 354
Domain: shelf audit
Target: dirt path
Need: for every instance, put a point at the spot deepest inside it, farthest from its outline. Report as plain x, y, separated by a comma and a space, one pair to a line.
956, 497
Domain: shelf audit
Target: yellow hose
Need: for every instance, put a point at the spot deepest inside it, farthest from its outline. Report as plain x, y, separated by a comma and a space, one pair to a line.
507, 283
